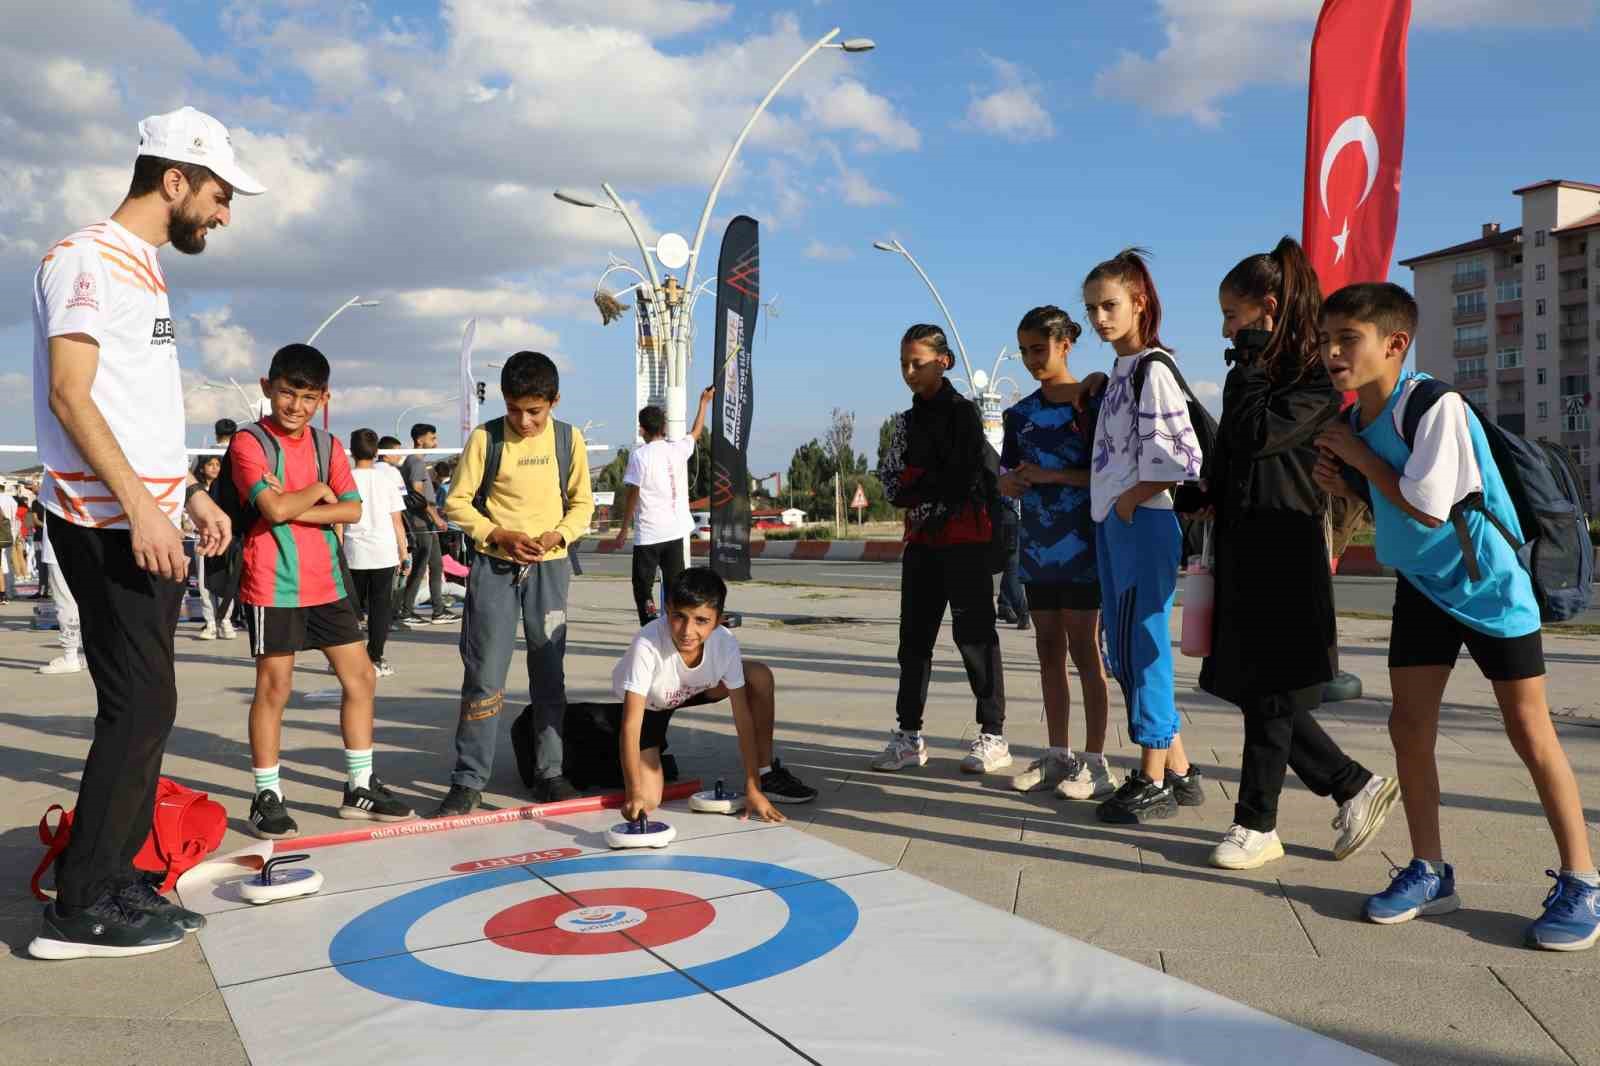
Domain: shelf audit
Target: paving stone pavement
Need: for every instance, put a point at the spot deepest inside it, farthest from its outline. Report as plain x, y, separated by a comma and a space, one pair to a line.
1287, 939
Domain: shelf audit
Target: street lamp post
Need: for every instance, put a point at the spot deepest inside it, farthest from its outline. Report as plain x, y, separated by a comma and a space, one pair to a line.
401, 417
670, 302
354, 301
894, 246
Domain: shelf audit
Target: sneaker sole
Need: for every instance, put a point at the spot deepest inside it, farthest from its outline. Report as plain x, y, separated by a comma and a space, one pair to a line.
1098, 794
264, 835
1573, 945
1444, 905
981, 769
449, 814
1382, 804
1271, 854
356, 814
1141, 817
776, 798
42, 947
901, 764
1043, 784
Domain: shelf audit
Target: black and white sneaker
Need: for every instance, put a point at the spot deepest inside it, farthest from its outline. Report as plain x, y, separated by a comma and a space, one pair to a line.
1189, 789
444, 617
459, 800
107, 929
374, 803
1138, 800
780, 786
269, 818
410, 620
141, 896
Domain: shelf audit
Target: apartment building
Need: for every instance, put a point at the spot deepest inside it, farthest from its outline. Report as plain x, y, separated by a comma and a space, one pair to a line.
1513, 318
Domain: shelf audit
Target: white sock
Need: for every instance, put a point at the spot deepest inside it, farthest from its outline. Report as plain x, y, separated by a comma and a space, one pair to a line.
765, 770
1435, 868
1589, 877
267, 779
358, 767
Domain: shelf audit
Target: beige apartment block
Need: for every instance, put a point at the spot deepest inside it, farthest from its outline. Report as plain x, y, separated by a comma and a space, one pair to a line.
1513, 318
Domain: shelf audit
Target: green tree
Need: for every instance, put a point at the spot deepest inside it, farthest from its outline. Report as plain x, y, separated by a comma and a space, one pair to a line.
609, 479
885, 432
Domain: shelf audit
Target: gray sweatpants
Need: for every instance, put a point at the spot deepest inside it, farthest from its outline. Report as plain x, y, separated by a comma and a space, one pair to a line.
497, 592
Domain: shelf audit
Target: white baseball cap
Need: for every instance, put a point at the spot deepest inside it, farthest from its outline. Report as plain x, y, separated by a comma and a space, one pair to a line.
190, 136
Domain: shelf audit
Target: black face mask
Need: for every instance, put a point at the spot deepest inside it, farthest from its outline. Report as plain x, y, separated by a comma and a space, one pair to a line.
1248, 344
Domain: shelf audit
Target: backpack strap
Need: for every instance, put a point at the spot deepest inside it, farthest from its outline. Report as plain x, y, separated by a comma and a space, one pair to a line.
323, 442
1424, 395
495, 431
269, 444
1141, 371
563, 459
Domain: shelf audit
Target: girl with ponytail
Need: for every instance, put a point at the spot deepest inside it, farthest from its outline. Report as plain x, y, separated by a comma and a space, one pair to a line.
1271, 651
1145, 445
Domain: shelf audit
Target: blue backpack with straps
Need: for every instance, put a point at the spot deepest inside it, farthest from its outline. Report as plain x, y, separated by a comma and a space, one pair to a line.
1546, 489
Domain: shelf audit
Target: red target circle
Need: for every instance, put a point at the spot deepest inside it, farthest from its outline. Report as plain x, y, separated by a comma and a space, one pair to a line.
666, 917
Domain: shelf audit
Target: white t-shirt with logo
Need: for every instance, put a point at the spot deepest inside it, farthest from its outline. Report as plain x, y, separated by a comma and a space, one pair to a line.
105, 283
660, 469
370, 543
653, 668
1155, 443
1443, 469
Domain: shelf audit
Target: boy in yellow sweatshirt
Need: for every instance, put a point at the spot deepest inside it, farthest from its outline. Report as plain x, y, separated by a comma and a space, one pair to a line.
523, 519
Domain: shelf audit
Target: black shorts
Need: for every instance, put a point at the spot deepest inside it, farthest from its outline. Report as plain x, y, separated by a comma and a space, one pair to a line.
285, 630
1063, 595
653, 733
1425, 634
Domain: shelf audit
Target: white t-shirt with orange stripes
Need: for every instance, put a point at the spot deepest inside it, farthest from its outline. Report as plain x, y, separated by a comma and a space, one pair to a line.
105, 283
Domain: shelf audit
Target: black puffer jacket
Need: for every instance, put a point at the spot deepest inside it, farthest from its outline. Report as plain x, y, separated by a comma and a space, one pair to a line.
939, 468
1273, 626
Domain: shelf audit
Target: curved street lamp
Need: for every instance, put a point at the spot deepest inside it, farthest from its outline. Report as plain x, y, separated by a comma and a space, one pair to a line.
895, 247
401, 417
354, 301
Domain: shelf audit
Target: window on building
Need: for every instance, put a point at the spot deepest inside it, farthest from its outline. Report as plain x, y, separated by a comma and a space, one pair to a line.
1477, 396
1538, 272
1539, 306
1538, 238
1472, 368
1541, 341
1540, 375
1474, 302
1478, 334
1574, 385
1576, 422
1542, 410
1508, 358
1505, 291
1469, 270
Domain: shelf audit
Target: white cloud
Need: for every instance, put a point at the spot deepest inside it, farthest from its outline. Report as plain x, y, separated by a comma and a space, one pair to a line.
849, 105
511, 334
1014, 109
1215, 48
1209, 393
463, 303
225, 346
828, 253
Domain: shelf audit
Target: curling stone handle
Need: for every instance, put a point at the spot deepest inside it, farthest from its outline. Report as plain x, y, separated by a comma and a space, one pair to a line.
643, 824
277, 860
720, 794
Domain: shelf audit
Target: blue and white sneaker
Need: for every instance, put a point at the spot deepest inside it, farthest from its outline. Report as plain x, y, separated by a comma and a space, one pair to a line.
1414, 890
1571, 920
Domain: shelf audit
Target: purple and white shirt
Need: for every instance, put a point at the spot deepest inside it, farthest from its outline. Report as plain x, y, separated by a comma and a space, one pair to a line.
1155, 443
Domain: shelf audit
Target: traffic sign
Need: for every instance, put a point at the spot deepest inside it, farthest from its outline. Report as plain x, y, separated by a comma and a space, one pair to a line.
860, 499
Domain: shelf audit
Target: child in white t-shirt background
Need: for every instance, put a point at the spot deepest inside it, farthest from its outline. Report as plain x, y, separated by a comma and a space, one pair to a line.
658, 491
687, 658
375, 545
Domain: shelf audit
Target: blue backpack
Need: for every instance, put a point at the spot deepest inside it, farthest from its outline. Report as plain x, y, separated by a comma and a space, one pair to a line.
1546, 488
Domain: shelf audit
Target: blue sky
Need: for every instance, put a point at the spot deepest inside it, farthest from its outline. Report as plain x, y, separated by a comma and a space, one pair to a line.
411, 149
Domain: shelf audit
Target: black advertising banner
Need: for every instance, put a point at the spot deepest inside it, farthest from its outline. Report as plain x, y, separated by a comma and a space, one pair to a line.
738, 300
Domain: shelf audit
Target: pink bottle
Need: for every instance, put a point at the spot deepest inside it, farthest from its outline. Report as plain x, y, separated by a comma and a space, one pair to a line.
1199, 592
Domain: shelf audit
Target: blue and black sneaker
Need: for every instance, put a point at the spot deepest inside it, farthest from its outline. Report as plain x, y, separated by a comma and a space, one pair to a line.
1571, 920
1415, 890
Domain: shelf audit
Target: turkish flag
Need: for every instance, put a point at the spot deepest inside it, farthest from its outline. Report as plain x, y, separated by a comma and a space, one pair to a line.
1355, 135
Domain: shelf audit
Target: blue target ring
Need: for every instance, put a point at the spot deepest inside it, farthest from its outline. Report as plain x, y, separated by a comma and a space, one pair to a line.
371, 950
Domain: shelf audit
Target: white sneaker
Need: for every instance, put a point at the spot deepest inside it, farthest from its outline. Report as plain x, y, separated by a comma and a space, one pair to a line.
227, 631
1246, 849
62, 664
987, 754
1047, 772
1360, 817
1092, 778
383, 668
209, 632
902, 750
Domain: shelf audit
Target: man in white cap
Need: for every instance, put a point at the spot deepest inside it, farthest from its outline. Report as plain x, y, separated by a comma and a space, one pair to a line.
108, 412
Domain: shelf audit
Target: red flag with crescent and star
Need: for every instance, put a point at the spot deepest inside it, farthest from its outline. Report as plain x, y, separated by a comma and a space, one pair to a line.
1355, 135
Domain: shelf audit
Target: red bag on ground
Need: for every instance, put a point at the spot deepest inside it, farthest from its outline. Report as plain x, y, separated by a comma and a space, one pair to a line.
186, 827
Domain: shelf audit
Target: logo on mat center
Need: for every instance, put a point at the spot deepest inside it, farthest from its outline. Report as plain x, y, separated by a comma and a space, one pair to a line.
610, 919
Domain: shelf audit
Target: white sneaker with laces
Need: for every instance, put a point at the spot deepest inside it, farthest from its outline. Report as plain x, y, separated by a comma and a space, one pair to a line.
1092, 778
383, 668
207, 632
62, 664
902, 750
1246, 849
1360, 818
987, 754
227, 631
1046, 773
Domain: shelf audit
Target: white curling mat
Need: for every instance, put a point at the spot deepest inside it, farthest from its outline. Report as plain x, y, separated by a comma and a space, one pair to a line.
737, 943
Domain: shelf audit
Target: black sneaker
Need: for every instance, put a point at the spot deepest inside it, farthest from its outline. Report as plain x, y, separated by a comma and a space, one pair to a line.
1025, 623
375, 803
445, 617
269, 818
107, 929
410, 620
780, 786
141, 896
1138, 800
459, 800
554, 789
1006, 616
1188, 789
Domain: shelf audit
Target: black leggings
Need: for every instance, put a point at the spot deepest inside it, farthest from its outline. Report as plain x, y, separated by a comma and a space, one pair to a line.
930, 580
373, 591
647, 558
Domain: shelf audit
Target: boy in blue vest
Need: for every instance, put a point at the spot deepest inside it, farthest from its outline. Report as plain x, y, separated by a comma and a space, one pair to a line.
1439, 606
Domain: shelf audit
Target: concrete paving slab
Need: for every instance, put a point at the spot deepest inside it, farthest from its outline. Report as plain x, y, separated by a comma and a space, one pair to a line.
1563, 1004
71, 1040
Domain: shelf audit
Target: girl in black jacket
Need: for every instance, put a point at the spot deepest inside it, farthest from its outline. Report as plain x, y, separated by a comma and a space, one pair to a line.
937, 468
1273, 625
